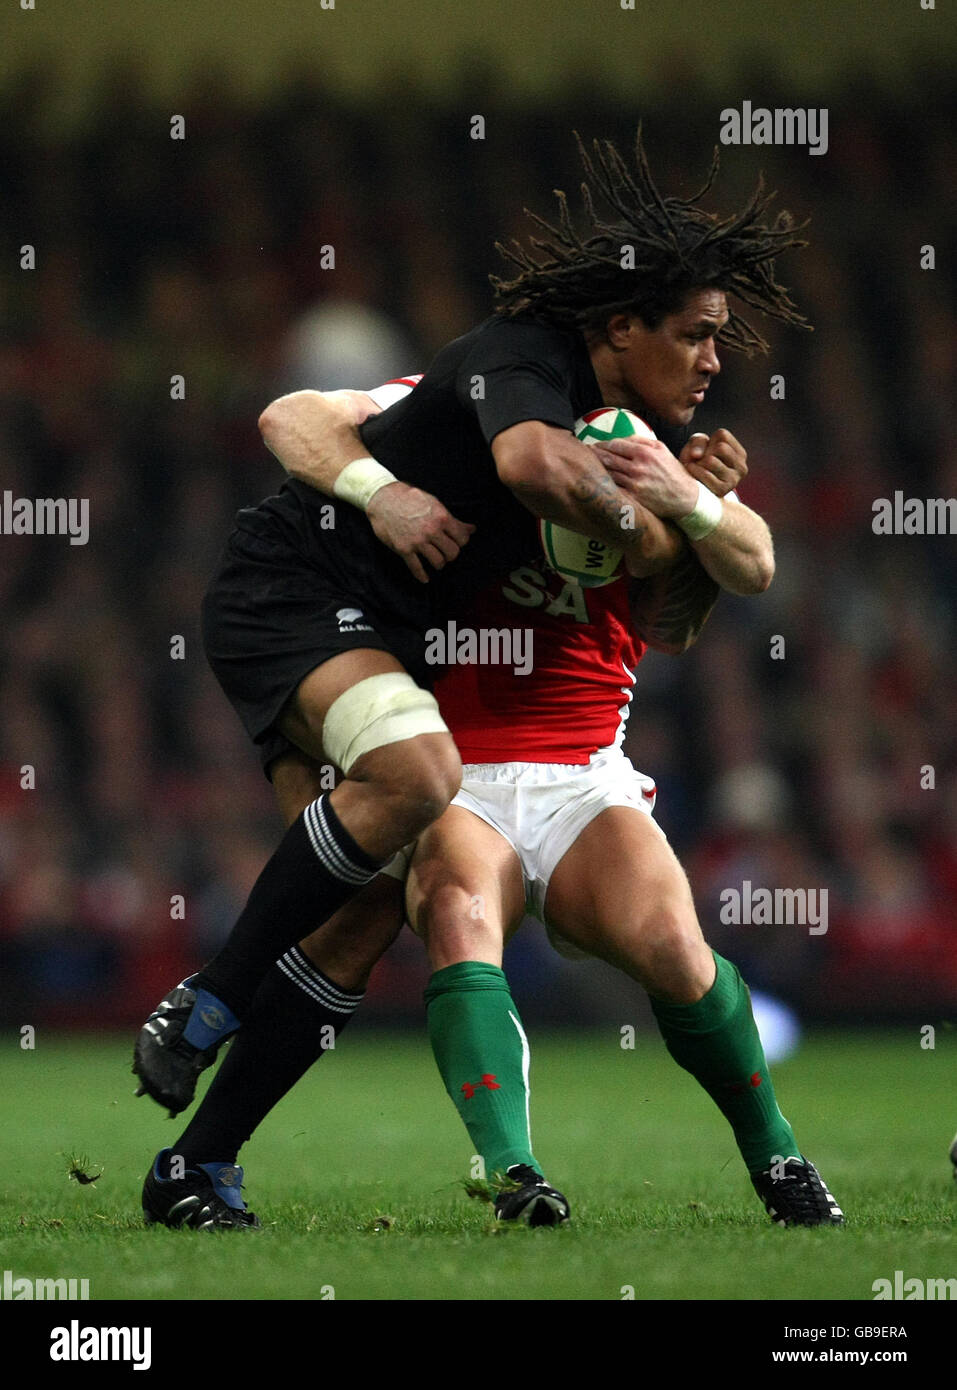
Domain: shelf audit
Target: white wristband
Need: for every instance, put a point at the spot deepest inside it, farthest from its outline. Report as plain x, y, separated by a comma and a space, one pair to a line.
360, 480
705, 517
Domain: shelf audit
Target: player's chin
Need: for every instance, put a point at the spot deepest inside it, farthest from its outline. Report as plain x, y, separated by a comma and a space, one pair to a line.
682, 414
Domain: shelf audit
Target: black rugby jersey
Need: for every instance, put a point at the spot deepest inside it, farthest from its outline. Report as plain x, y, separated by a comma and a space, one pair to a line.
503, 372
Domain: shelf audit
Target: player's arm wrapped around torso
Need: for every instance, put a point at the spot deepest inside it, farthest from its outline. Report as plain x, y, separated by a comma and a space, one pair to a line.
669, 609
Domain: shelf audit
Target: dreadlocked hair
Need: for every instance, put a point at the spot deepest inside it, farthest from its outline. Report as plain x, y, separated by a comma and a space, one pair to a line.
675, 246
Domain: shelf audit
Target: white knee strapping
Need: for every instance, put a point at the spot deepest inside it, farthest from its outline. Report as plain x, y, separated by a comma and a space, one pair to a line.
379, 710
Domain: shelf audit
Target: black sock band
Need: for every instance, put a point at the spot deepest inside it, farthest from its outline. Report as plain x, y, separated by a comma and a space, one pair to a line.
334, 845
315, 870
298, 968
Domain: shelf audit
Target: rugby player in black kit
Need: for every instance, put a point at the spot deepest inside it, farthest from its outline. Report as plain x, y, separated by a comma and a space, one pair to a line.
316, 632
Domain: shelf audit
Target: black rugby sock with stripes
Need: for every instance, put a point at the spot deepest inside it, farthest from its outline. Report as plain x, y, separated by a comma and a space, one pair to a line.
316, 869
297, 1015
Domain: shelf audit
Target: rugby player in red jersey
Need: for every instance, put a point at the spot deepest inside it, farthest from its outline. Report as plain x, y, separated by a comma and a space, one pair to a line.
552, 820
300, 625
316, 632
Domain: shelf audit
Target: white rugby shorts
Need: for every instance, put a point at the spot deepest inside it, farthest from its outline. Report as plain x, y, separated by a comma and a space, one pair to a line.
542, 808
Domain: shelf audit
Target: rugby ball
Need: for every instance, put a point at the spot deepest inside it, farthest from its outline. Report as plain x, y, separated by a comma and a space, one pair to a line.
576, 558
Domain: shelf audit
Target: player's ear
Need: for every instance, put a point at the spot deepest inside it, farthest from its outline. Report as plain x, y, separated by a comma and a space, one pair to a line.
619, 330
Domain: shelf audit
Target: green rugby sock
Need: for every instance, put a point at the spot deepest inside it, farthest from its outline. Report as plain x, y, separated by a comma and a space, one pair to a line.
717, 1041
482, 1054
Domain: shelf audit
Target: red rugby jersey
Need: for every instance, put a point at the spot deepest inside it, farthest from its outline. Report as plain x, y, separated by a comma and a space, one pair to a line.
575, 698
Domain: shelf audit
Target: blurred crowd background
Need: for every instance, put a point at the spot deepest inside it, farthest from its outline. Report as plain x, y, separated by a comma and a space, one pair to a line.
203, 257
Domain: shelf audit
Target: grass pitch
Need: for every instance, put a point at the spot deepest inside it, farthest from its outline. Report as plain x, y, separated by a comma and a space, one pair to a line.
359, 1177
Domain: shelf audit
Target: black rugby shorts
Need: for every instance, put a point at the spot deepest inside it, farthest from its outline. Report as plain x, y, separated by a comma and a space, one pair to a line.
270, 616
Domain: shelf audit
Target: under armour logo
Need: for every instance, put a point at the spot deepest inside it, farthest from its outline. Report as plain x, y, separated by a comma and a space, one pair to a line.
488, 1081
737, 1088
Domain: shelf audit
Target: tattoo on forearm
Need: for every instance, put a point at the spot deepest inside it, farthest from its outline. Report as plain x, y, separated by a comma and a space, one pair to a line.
602, 500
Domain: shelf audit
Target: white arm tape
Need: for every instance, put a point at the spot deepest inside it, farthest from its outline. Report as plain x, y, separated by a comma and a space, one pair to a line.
360, 480
705, 517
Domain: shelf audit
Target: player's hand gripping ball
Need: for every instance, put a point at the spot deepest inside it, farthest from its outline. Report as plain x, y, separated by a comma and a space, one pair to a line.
576, 558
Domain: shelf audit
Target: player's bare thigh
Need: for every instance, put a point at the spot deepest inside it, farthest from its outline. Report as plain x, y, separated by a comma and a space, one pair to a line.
392, 792
464, 894
347, 946
619, 893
